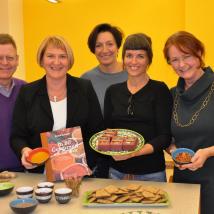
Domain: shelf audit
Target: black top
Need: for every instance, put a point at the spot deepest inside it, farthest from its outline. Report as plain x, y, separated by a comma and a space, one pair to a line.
197, 136
33, 115
151, 107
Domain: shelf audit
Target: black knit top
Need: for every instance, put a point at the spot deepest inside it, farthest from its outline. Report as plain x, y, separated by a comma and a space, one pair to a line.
151, 107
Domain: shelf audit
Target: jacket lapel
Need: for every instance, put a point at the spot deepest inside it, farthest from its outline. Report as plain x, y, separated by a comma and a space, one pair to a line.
44, 99
72, 100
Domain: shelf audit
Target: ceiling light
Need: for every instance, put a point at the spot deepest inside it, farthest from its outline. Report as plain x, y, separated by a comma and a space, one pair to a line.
54, 1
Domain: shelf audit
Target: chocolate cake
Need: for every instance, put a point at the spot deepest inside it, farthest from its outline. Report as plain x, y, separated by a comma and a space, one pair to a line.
103, 143
130, 143
110, 133
116, 143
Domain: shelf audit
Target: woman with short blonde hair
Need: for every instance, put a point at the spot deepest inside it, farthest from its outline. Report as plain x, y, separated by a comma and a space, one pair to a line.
56, 101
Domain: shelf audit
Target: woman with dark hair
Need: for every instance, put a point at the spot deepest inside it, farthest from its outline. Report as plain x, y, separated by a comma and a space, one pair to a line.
192, 122
104, 42
142, 105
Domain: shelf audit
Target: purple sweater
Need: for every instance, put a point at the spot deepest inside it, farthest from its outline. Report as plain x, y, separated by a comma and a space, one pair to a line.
8, 159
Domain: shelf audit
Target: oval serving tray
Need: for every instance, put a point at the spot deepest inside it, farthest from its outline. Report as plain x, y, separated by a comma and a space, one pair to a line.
120, 132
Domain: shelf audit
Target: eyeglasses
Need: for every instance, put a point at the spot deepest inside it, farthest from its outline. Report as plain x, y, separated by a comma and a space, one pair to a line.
130, 109
8, 58
176, 61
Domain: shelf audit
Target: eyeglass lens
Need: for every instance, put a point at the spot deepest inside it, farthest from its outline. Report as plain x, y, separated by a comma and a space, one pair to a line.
8, 58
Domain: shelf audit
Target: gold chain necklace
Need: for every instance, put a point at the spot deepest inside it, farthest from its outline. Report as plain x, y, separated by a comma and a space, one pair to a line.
196, 114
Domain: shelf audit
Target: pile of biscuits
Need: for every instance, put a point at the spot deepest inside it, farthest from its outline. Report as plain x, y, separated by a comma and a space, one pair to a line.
132, 193
6, 176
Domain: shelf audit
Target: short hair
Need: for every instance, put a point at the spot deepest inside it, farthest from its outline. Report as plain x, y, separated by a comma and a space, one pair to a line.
187, 43
7, 39
58, 42
138, 41
105, 27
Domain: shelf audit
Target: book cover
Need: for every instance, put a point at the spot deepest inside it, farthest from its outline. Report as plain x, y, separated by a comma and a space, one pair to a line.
67, 154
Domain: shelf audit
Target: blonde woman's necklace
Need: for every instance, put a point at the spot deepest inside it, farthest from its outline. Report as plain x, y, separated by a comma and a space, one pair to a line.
58, 96
55, 98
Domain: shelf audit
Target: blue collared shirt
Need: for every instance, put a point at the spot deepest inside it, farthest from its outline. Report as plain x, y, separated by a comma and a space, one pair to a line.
7, 92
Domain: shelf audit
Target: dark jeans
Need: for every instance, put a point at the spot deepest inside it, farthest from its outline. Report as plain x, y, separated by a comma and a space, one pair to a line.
157, 176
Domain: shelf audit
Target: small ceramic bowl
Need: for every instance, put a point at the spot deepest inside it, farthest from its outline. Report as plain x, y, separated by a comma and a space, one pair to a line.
24, 192
45, 185
63, 195
23, 206
6, 188
38, 156
43, 195
182, 156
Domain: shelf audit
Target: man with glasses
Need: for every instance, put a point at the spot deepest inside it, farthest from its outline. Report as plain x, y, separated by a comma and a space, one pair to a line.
9, 88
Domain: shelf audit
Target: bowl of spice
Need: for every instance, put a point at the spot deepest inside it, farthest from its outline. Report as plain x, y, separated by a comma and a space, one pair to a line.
23, 206
6, 188
182, 156
38, 156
